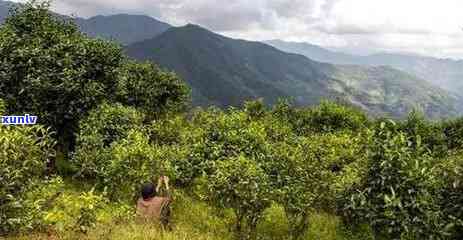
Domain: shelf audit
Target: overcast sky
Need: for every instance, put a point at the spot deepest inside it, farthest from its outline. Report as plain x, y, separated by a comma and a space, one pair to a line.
427, 27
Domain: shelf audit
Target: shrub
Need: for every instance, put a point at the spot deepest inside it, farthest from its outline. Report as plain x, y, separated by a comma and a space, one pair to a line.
331, 117
24, 152
218, 136
48, 68
453, 131
98, 131
147, 87
451, 193
240, 184
171, 130
71, 212
51, 204
284, 110
133, 161
418, 128
304, 176
397, 197
255, 109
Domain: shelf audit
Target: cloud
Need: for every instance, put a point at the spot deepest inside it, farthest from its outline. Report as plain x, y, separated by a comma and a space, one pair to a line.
218, 15
429, 27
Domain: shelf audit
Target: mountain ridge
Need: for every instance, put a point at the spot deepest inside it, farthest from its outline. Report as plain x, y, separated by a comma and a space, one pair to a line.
215, 66
122, 28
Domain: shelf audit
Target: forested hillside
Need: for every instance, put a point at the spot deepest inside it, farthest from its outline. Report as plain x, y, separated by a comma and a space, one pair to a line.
225, 72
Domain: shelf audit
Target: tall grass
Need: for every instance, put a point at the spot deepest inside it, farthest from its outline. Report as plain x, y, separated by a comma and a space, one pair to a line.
193, 219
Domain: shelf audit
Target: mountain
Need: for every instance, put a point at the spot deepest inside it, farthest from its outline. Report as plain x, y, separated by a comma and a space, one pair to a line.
225, 71
122, 28
314, 52
445, 73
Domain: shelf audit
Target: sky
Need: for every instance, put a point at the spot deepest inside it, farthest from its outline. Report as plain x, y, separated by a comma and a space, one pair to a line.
425, 27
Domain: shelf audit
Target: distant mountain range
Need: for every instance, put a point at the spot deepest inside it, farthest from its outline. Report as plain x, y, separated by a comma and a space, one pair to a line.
446, 73
122, 28
225, 72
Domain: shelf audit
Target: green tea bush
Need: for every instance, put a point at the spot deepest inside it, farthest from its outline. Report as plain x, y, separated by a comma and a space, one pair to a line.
103, 126
74, 213
325, 117
218, 135
331, 117
132, 162
453, 131
304, 175
41, 198
255, 109
450, 172
284, 110
24, 152
51, 205
397, 196
128, 163
149, 88
48, 67
171, 130
431, 135
239, 184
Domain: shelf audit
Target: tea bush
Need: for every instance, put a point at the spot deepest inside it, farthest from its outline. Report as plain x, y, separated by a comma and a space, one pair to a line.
304, 174
453, 132
451, 193
330, 117
147, 87
51, 69
103, 126
24, 152
431, 135
397, 197
51, 206
218, 135
132, 162
239, 184
171, 130
74, 213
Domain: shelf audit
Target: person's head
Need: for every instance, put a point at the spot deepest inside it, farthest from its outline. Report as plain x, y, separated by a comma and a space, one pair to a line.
148, 191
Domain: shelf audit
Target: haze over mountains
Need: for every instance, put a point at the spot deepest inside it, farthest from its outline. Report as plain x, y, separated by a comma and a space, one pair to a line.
224, 71
446, 73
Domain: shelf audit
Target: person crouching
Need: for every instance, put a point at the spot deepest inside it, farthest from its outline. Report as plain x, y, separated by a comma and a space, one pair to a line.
152, 207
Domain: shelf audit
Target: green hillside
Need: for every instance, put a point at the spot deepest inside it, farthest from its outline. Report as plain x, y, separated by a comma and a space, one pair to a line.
224, 71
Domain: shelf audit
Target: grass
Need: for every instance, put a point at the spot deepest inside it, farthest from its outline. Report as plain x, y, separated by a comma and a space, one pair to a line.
193, 219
